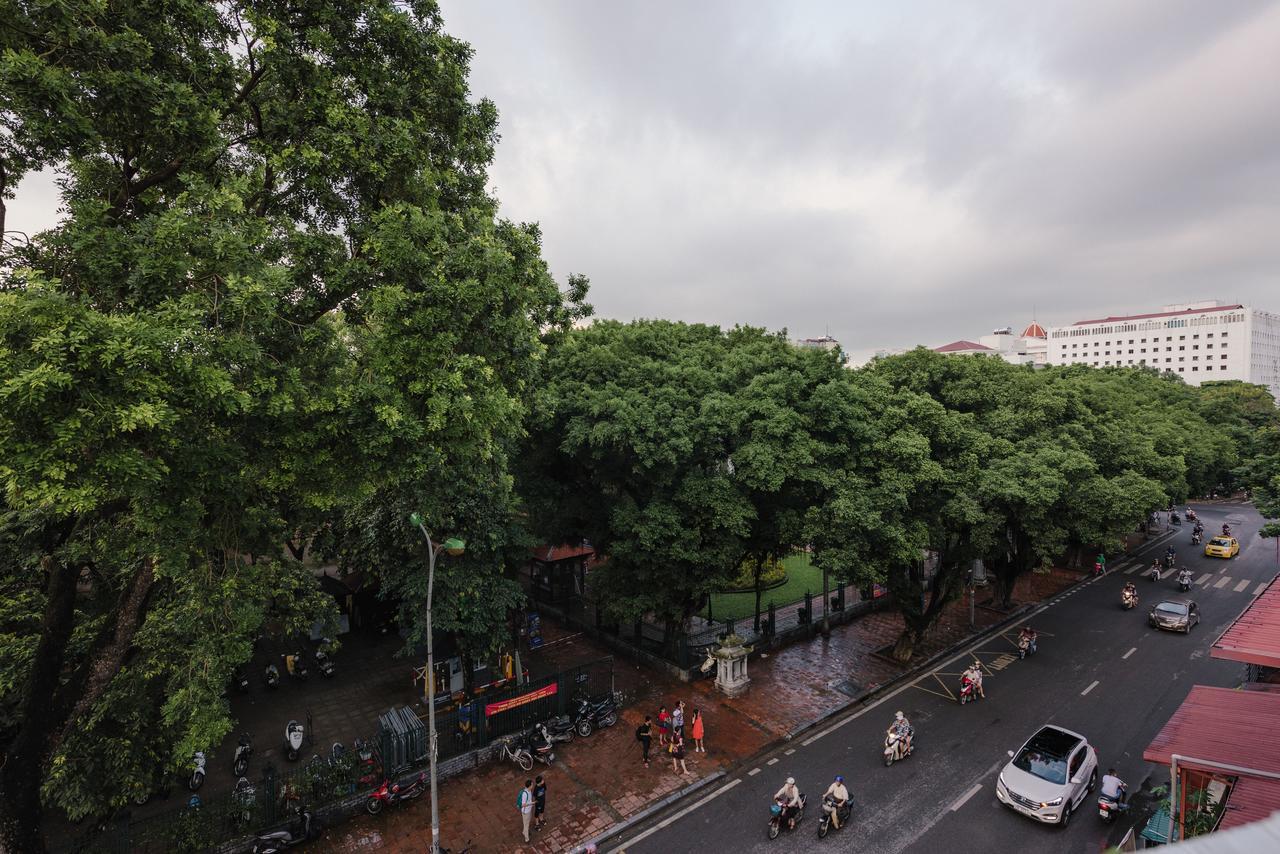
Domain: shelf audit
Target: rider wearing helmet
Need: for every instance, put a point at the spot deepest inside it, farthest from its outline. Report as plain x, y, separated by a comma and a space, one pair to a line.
840, 796
789, 797
904, 730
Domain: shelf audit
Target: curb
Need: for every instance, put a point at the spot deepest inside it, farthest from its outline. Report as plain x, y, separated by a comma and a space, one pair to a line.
650, 810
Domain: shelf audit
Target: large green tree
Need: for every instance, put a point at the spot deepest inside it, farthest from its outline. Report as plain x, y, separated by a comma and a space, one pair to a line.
279, 294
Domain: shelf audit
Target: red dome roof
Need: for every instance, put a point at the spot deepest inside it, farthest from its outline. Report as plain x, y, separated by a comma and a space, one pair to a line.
1035, 330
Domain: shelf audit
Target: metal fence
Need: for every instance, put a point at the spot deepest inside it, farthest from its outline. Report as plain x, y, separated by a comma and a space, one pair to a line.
399, 745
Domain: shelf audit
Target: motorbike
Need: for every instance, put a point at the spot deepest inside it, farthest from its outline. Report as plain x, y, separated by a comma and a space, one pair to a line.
539, 748
1191, 515
197, 772
1098, 568
293, 733
323, 662
1128, 599
1195, 539
708, 666
365, 763
271, 676
240, 762
968, 691
1026, 646
776, 824
1184, 581
828, 807
1226, 530
393, 793
302, 828
557, 729
1198, 529
590, 715
1109, 808
895, 748
244, 796
1154, 573
299, 670
1175, 518
241, 680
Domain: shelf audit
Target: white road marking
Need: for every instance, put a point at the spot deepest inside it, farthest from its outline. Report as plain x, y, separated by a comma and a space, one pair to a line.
964, 799
676, 817
789, 752
773, 761
1262, 585
1131, 570
753, 772
1242, 585
1129, 653
1090, 688
1204, 578
1223, 581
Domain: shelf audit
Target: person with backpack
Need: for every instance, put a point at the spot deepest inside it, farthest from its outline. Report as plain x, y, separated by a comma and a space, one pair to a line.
525, 804
644, 735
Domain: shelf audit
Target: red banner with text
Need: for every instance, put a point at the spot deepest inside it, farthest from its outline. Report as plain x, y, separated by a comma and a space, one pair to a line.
502, 706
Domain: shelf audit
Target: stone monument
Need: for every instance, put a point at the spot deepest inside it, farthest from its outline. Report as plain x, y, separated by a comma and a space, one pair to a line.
731, 665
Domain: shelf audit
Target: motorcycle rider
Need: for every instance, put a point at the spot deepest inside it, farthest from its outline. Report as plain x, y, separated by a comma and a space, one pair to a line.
1170, 555
974, 674
1226, 529
1028, 634
838, 793
902, 727
789, 797
1195, 538
1113, 787
1130, 590
1184, 577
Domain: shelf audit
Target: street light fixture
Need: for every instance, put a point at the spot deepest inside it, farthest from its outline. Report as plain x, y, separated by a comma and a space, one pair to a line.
455, 547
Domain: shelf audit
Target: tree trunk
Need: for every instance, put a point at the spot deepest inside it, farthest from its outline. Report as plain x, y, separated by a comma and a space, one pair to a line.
756, 575
905, 646
20, 808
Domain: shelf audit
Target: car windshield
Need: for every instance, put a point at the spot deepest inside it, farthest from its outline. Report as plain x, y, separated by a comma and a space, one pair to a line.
1176, 609
1219, 541
1045, 767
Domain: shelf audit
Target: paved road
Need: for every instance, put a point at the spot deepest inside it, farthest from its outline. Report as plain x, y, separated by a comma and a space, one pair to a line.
1100, 671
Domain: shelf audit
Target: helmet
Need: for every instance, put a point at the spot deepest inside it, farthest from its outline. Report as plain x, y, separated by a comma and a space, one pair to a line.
791, 781
839, 778
897, 716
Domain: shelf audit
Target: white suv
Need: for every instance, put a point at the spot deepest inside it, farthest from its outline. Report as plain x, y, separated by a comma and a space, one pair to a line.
1049, 777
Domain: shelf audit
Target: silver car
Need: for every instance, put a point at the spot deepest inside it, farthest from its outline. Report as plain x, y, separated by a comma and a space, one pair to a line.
1050, 776
1177, 615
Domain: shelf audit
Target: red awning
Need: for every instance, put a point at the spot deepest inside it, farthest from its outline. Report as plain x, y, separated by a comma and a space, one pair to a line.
1251, 799
1221, 725
1254, 636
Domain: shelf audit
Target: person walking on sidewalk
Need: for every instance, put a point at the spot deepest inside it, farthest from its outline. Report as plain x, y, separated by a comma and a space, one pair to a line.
677, 720
644, 735
677, 754
664, 725
526, 807
695, 731
539, 803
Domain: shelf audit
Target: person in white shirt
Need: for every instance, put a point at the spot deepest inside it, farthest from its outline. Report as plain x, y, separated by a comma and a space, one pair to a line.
838, 793
789, 796
1113, 787
526, 807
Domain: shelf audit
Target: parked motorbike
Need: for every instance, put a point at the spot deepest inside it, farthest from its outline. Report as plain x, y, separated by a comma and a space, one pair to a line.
302, 828
557, 729
538, 747
393, 793
293, 733
299, 669
1128, 599
828, 807
271, 676
895, 748
323, 662
244, 796
776, 824
240, 763
365, 763
1184, 581
590, 715
197, 772
1109, 808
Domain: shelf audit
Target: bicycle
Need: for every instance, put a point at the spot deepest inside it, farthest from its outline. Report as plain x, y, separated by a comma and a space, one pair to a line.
520, 756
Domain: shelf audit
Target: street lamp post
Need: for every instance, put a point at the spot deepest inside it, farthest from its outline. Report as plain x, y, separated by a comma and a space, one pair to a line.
453, 546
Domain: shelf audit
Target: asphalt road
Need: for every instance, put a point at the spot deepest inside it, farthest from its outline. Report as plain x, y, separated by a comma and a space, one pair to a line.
1100, 671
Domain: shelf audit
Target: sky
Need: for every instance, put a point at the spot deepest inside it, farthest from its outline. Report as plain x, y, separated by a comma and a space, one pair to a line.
889, 174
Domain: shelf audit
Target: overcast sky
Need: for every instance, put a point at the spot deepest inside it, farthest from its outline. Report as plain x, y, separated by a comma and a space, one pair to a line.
892, 174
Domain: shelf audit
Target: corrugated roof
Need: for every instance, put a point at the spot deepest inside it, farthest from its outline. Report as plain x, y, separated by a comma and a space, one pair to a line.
553, 554
960, 345
1251, 799
1254, 636
1263, 836
1222, 725
1115, 318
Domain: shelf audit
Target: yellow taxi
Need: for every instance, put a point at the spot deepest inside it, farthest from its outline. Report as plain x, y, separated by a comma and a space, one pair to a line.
1227, 547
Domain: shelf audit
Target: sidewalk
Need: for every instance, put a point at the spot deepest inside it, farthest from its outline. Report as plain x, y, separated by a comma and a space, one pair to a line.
597, 782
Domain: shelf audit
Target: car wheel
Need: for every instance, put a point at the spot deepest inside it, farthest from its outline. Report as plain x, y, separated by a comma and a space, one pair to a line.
1093, 779
1066, 817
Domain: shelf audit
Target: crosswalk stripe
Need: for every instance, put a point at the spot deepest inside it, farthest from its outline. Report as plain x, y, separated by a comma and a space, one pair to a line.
1223, 581
1204, 578
1242, 585
1131, 570
1262, 585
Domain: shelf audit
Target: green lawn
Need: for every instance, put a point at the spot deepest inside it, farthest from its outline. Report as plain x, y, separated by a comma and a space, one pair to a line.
801, 576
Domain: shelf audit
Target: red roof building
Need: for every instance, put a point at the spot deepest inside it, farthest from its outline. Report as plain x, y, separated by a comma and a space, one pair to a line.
1124, 317
1035, 330
962, 348
1254, 636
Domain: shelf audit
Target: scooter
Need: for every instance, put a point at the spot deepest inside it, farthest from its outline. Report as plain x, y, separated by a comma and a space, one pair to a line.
323, 662
1154, 572
967, 691
895, 748
299, 669
271, 676
365, 763
1226, 530
245, 798
1195, 539
776, 824
828, 807
708, 666
240, 763
1026, 646
1109, 808
301, 829
293, 733
393, 793
538, 747
1184, 581
1128, 600
197, 773
557, 729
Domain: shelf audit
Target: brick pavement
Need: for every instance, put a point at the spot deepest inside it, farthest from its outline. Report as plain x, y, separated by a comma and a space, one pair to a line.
599, 781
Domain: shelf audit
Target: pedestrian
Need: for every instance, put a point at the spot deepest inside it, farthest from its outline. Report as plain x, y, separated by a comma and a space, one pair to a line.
696, 730
677, 719
526, 806
664, 725
539, 803
644, 735
677, 754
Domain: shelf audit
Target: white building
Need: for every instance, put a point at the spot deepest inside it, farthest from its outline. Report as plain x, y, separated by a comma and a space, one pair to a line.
1029, 348
1199, 342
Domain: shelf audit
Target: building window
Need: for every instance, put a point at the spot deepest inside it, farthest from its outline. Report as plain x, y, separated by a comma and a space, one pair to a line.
1208, 346
1182, 358
1131, 351
1223, 356
1182, 346
1194, 368
1144, 341
1182, 338
1195, 346
1208, 367
1195, 358
1210, 335
1168, 360
1195, 337
1168, 338
1223, 335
